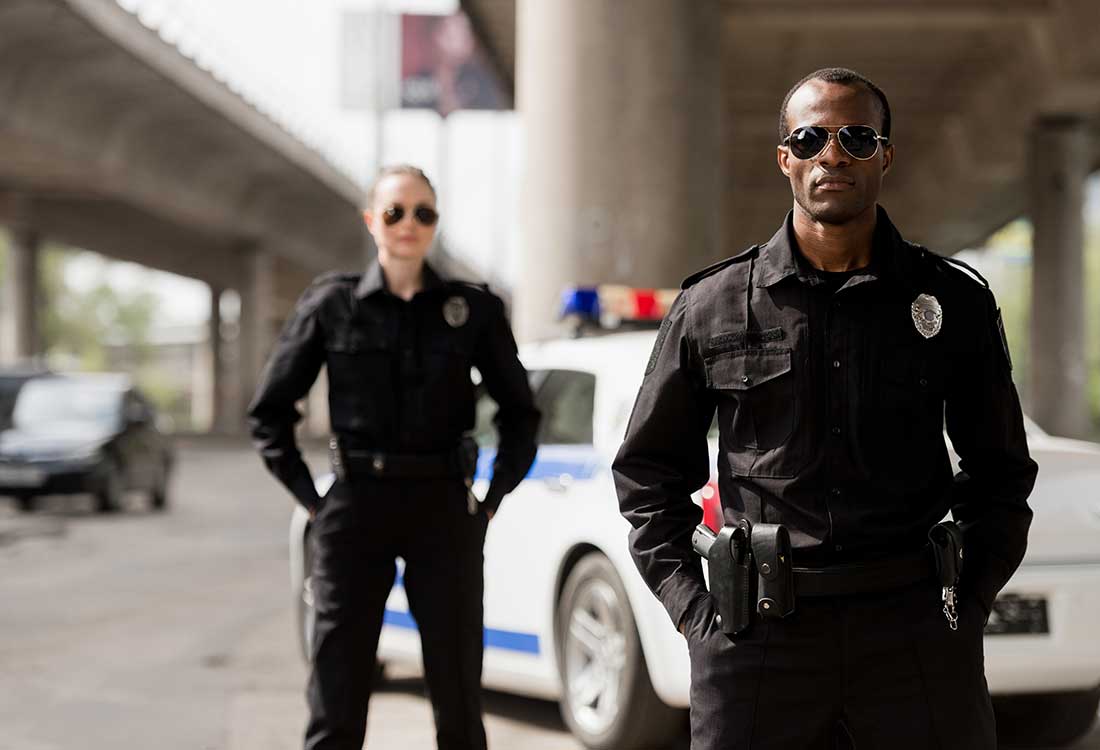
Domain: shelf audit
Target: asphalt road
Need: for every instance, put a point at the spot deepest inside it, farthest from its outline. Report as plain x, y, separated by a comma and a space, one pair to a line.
174, 630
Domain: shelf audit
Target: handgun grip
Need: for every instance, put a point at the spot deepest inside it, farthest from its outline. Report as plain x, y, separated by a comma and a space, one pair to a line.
702, 539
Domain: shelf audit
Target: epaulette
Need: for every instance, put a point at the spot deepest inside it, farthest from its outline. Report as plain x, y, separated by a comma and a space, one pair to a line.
965, 268
337, 276
716, 267
481, 287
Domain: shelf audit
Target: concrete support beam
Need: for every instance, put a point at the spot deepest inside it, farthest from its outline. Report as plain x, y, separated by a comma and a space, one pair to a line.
221, 416
622, 110
1060, 161
20, 339
258, 325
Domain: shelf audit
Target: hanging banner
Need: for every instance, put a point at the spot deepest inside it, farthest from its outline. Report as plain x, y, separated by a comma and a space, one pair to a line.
443, 67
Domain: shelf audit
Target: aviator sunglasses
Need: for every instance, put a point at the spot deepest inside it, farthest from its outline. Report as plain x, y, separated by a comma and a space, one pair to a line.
859, 141
424, 214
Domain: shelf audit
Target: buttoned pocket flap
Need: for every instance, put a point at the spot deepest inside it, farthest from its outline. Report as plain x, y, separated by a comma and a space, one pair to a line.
353, 340
742, 370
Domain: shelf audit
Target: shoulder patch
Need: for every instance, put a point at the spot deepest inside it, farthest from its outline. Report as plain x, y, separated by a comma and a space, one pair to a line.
716, 267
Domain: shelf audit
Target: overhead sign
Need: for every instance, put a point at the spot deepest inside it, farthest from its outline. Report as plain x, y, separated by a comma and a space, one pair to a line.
443, 67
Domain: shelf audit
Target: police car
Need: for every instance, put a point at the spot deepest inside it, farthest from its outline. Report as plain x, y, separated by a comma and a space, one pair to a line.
568, 618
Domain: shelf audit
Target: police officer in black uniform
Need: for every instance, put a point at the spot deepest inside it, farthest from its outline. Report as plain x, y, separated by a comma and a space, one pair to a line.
399, 342
831, 354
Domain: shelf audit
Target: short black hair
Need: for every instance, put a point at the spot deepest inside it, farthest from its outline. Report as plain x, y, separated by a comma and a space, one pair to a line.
846, 77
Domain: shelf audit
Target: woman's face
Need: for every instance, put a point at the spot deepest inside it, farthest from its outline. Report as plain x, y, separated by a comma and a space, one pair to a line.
408, 238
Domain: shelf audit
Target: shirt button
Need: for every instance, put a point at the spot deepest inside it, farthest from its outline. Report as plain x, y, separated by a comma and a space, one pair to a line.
924, 382
746, 379
835, 492
836, 364
836, 430
839, 548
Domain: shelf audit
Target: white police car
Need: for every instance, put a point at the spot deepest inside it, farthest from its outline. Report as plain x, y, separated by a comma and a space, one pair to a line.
568, 618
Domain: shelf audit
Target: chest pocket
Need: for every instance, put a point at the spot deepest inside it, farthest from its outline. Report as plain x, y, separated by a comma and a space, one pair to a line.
359, 358
907, 412
757, 404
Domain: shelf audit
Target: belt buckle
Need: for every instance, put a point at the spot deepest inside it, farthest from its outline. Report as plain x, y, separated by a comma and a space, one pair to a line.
378, 463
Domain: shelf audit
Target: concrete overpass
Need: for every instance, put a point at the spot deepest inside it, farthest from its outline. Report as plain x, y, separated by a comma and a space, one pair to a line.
651, 125
112, 140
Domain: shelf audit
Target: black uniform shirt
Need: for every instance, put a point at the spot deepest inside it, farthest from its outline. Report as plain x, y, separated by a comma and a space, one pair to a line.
398, 375
831, 412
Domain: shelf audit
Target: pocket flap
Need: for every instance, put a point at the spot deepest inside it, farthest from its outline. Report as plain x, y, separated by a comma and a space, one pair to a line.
741, 370
352, 340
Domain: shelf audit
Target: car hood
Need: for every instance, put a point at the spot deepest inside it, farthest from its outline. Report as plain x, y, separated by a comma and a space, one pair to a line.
1066, 502
55, 441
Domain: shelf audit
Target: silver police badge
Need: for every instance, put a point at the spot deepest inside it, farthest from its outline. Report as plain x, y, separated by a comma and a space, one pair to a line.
927, 315
456, 311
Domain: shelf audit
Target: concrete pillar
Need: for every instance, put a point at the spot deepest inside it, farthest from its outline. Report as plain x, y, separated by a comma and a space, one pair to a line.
1060, 160
621, 105
21, 294
258, 322
220, 407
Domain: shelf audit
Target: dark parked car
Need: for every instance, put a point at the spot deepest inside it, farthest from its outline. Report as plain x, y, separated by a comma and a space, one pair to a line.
70, 434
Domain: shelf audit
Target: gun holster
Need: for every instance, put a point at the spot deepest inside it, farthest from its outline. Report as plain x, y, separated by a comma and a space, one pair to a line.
729, 559
750, 569
771, 553
467, 458
947, 551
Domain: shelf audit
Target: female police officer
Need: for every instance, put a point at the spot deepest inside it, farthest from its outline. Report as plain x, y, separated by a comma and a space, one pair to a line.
399, 342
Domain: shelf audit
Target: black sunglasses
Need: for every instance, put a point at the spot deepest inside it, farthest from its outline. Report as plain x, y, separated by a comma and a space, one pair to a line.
426, 215
859, 141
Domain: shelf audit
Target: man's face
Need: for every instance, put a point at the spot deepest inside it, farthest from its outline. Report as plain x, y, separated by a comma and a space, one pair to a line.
833, 187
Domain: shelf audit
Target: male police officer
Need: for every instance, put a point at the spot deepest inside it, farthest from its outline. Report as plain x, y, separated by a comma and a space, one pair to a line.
830, 353
399, 342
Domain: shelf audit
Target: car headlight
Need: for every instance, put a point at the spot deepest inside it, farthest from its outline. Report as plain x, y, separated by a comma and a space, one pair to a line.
84, 455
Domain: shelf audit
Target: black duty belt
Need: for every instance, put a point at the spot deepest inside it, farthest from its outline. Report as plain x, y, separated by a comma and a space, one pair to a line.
355, 462
865, 578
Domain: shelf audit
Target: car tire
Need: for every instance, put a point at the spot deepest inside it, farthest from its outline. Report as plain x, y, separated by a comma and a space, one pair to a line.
1045, 720
306, 619
158, 496
108, 498
608, 701
25, 503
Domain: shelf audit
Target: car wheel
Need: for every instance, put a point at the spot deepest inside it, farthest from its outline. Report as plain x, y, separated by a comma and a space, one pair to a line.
25, 503
108, 498
608, 700
306, 617
1045, 720
158, 497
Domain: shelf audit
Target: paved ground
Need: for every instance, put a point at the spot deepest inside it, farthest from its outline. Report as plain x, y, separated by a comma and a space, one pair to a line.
174, 631
143, 630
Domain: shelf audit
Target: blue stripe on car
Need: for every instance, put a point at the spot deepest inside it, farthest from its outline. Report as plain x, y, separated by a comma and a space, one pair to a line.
507, 640
578, 461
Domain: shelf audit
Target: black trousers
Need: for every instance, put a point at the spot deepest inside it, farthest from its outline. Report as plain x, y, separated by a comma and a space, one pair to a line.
362, 526
877, 672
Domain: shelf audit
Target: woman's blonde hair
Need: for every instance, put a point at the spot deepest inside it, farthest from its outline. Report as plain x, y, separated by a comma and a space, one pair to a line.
389, 171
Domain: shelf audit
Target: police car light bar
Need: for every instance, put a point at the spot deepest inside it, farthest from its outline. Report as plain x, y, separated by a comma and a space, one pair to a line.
612, 305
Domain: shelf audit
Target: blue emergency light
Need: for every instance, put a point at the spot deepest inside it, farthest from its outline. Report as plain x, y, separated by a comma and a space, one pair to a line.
583, 302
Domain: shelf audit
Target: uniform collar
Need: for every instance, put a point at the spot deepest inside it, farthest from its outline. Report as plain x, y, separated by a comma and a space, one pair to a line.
892, 258
374, 280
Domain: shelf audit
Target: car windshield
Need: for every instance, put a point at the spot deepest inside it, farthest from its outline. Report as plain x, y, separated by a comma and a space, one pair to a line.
45, 403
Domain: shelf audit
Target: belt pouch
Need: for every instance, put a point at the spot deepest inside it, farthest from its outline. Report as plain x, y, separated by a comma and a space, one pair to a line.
771, 552
947, 549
